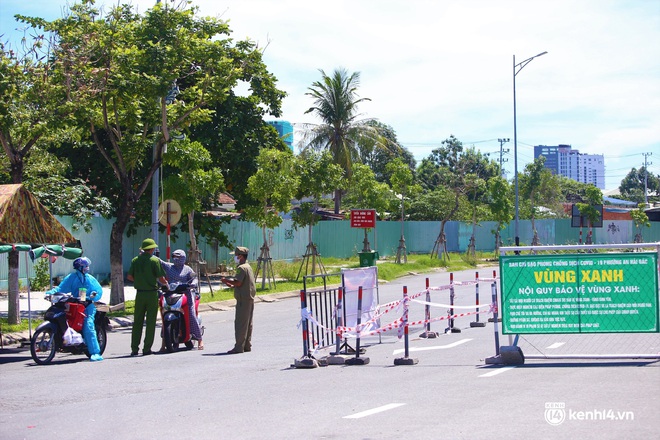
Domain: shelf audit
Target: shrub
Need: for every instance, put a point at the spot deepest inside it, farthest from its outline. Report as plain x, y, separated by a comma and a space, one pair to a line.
41, 279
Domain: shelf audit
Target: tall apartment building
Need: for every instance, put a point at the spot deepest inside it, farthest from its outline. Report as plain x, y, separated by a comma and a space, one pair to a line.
564, 161
285, 130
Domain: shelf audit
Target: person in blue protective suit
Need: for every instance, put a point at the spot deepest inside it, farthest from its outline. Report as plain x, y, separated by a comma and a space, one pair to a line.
72, 283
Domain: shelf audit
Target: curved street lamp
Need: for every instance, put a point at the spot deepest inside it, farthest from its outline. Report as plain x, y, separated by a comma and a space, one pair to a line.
516, 69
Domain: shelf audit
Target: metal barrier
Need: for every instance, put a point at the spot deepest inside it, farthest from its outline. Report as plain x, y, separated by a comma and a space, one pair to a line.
323, 319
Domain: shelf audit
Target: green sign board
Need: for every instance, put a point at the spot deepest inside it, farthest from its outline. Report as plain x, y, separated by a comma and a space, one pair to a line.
584, 293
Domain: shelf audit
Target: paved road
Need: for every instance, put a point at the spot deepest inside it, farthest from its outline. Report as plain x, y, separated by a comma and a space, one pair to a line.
450, 393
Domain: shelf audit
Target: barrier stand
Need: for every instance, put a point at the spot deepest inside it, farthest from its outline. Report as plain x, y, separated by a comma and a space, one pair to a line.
405, 360
428, 333
307, 361
339, 358
507, 354
476, 323
451, 327
495, 278
357, 360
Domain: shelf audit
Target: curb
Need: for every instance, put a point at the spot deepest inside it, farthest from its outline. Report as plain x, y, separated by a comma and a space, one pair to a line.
116, 322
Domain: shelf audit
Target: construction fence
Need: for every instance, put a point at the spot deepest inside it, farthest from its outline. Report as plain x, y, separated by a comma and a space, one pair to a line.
333, 239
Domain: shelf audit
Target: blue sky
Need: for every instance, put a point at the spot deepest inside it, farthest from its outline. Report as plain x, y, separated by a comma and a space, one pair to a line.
433, 68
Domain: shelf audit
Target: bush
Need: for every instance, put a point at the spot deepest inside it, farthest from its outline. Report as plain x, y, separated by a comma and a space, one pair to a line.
41, 279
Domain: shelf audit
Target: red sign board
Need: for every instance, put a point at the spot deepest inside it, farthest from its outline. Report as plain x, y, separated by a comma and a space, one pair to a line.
363, 218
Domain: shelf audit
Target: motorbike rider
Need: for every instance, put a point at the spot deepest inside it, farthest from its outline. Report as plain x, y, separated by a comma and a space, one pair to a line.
179, 272
72, 283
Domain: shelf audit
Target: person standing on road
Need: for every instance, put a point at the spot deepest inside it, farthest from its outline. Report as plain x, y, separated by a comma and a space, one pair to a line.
73, 283
179, 272
244, 293
145, 272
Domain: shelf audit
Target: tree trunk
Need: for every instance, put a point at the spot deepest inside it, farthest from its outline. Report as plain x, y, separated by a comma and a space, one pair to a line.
194, 254
472, 248
116, 243
13, 292
497, 238
337, 201
441, 241
14, 307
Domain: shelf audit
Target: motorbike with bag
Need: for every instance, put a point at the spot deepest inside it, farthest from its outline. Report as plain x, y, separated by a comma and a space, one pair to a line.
174, 306
62, 328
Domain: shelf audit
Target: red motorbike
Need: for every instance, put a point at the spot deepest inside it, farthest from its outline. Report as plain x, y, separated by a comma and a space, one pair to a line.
174, 306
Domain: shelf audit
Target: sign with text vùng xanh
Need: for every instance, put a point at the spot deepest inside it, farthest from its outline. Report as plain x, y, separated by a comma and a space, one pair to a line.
585, 293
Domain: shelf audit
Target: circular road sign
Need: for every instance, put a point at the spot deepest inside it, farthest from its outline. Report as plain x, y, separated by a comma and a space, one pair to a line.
172, 208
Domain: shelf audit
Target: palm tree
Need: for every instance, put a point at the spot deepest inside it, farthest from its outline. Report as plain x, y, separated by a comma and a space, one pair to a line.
340, 131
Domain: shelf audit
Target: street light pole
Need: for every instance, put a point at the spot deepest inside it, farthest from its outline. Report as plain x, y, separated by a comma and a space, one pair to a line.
154, 194
516, 69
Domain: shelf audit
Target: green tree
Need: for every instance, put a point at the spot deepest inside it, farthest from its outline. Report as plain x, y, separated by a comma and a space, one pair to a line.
274, 184
378, 152
640, 219
593, 197
340, 131
319, 175
193, 183
401, 180
32, 111
365, 192
632, 186
538, 185
449, 166
500, 205
136, 79
437, 204
479, 170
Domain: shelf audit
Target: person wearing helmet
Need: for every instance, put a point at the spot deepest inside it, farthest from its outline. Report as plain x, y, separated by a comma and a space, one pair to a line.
179, 272
72, 283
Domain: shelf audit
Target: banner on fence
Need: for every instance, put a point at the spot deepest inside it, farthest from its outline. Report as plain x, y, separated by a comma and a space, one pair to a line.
352, 279
583, 293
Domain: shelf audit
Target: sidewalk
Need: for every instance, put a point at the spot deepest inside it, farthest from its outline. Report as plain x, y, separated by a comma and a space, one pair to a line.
37, 305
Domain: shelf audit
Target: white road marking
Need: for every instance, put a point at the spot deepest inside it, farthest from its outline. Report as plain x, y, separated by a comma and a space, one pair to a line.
555, 345
496, 372
439, 347
370, 412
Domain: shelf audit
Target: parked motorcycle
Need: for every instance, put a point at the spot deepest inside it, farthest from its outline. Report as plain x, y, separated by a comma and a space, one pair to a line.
174, 306
55, 334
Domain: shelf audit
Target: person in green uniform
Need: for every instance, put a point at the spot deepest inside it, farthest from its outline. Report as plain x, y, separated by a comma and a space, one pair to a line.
244, 293
145, 272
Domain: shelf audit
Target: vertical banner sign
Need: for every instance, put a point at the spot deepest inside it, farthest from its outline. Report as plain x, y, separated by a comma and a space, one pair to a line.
363, 218
585, 293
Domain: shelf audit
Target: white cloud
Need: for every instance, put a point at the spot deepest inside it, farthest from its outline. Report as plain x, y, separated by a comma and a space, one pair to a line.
433, 68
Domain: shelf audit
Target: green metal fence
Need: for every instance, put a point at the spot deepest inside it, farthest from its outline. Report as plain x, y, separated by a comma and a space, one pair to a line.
334, 239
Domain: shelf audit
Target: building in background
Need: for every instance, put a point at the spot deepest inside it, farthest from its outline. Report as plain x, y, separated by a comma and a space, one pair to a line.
564, 161
285, 129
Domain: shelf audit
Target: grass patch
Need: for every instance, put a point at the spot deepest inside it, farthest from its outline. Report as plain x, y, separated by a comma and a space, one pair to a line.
15, 328
288, 271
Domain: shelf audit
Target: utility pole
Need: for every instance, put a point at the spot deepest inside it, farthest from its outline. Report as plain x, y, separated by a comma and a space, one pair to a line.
646, 177
502, 141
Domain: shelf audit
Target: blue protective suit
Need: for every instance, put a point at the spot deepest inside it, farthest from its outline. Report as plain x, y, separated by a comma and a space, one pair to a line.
70, 284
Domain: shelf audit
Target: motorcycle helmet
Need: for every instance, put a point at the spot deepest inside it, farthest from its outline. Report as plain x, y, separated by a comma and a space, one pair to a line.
179, 257
82, 264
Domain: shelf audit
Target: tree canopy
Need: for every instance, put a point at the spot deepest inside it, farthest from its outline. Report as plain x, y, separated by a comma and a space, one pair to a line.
134, 80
